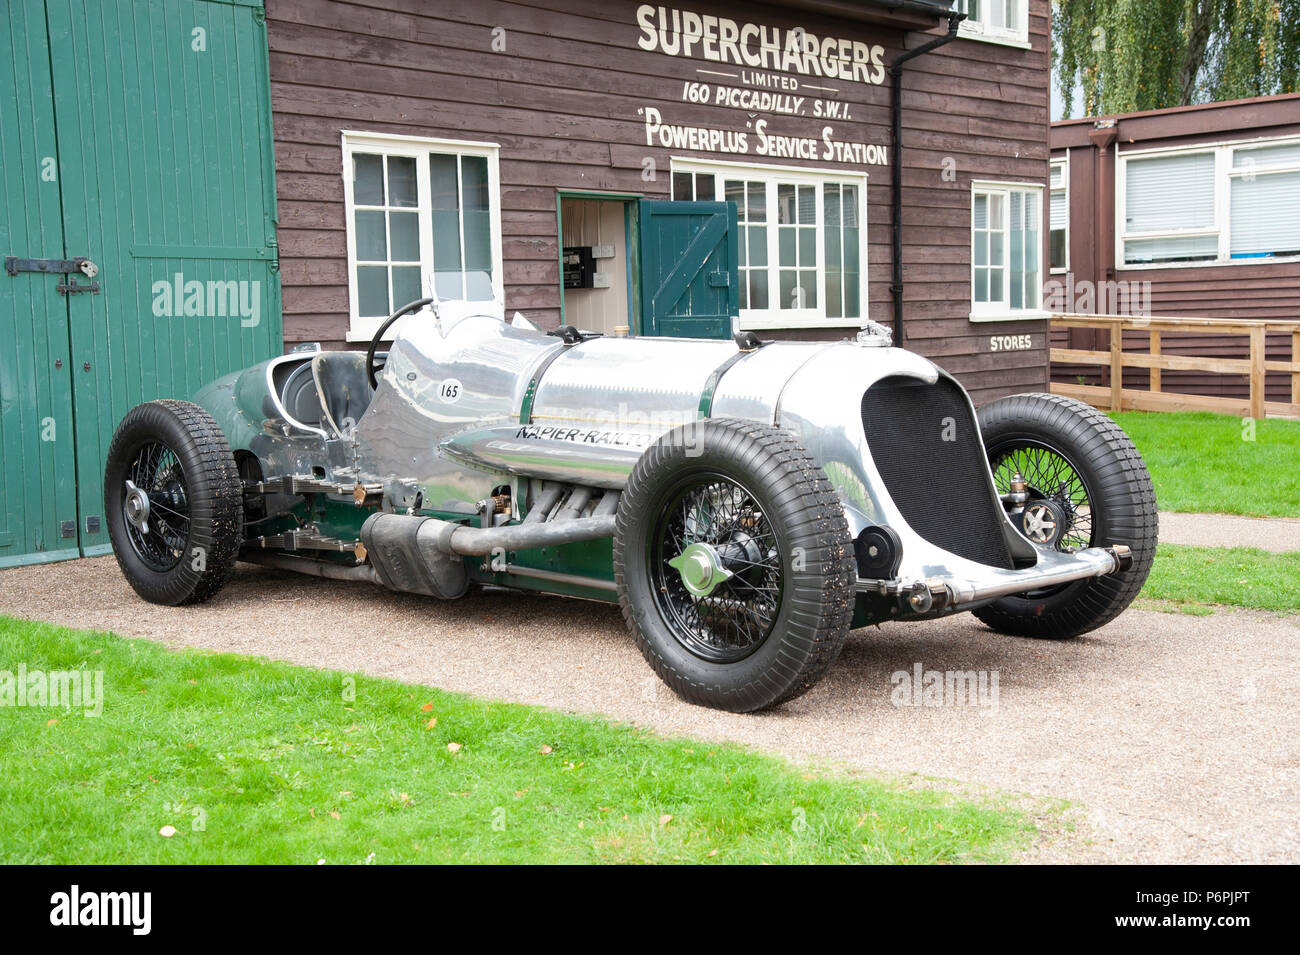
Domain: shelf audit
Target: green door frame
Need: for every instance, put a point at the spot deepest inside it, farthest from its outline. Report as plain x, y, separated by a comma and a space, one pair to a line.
631, 234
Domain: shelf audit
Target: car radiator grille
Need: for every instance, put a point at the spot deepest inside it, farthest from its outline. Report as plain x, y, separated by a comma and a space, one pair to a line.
926, 446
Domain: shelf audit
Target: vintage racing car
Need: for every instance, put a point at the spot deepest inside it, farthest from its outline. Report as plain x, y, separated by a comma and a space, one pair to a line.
746, 503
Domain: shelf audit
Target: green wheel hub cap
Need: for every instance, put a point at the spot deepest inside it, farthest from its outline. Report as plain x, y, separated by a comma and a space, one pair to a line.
701, 569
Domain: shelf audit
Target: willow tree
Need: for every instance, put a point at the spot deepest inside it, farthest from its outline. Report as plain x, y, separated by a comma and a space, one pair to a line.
1128, 55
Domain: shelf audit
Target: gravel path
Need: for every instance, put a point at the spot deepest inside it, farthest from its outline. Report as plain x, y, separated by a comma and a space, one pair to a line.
1277, 534
1177, 734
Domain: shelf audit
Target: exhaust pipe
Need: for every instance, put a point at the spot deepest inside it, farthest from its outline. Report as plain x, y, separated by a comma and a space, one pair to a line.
305, 565
449, 538
425, 555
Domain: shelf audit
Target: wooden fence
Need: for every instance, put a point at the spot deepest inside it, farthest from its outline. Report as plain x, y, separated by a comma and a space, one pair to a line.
1116, 397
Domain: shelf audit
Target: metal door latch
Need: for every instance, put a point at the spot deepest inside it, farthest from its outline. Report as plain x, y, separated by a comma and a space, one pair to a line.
14, 265
72, 288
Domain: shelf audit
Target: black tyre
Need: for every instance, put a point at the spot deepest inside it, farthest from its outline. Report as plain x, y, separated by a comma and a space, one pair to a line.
174, 502
1091, 488
734, 564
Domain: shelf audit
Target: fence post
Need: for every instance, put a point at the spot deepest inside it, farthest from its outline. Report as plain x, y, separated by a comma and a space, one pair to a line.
1257, 345
1117, 365
1154, 349
1295, 375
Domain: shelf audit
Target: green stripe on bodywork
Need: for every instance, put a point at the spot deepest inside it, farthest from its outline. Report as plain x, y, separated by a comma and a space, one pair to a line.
526, 405
710, 388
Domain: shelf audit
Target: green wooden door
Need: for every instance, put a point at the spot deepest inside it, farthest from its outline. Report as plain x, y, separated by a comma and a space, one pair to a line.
688, 268
166, 182
37, 461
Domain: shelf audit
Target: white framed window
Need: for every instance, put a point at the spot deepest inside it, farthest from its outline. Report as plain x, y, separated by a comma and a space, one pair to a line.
423, 218
997, 21
1058, 215
1264, 202
1006, 249
1223, 204
802, 240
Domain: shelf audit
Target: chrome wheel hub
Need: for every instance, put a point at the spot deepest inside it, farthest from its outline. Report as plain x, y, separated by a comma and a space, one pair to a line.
136, 507
701, 569
1040, 524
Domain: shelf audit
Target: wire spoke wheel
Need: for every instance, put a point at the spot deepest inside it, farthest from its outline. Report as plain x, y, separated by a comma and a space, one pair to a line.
733, 563
1048, 474
1087, 486
155, 502
174, 502
716, 568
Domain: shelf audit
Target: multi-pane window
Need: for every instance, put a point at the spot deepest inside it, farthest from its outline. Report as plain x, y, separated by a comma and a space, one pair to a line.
751, 214
422, 220
802, 241
1005, 20
461, 205
1058, 218
796, 241
693, 186
843, 250
386, 226
1216, 204
1005, 249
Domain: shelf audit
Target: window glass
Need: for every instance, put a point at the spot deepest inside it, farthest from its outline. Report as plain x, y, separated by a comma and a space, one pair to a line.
421, 220
1265, 216
683, 186
800, 240
1058, 219
1007, 19
1006, 240
1220, 204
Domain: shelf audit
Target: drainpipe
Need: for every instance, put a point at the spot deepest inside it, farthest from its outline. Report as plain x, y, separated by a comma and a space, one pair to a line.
896, 161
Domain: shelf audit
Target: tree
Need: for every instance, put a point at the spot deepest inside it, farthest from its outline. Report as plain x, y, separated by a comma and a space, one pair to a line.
1129, 55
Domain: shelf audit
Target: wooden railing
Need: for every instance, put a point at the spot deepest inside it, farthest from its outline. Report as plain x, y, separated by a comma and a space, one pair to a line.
1116, 397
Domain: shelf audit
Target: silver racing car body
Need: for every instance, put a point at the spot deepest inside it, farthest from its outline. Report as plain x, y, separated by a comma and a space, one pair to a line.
724, 492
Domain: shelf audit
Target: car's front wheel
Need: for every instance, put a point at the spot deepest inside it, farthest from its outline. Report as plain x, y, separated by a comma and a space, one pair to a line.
1087, 486
734, 564
174, 502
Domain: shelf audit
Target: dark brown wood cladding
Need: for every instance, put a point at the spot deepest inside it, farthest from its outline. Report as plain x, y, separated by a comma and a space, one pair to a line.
1259, 290
562, 103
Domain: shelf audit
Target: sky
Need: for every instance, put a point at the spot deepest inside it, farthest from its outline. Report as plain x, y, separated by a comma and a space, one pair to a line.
1058, 103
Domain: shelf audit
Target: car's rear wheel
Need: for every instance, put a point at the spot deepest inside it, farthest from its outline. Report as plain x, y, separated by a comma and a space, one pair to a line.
734, 564
1088, 487
174, 502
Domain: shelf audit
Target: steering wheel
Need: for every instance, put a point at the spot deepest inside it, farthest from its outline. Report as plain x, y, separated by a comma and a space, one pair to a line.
374, 342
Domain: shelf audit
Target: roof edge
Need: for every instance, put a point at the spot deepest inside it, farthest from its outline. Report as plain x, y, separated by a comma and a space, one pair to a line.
1170, 110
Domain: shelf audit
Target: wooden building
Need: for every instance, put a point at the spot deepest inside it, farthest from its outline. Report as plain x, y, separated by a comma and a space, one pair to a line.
178, 170
1193, 211
511, 131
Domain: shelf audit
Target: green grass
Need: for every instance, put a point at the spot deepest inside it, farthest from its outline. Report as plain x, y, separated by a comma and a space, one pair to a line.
1194, 579
1202, 462
279, 765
